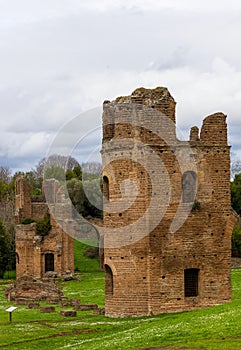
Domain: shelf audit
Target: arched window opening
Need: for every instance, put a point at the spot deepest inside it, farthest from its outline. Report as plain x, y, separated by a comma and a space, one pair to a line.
106, 190
191, 282
189, 186
109, 286
49, 262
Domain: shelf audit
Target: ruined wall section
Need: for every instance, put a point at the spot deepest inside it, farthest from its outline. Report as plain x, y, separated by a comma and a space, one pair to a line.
59, 243
27, 206
39, 207
23, 206
213, 140
125, 117
137, 119
28, 251
128, 260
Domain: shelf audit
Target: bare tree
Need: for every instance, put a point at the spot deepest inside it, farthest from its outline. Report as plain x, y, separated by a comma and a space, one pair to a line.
5, 174
55, 160
235, 167
92, 168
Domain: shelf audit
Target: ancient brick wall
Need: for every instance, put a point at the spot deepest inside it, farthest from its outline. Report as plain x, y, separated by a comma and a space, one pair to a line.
37, 254
27, 263
22, 200
168, 219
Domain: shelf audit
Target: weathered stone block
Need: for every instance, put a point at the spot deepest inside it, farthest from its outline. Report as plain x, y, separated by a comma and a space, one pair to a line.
86, 307
47, 309
75, 301
68, 313
32, 306
99, 311
64, 303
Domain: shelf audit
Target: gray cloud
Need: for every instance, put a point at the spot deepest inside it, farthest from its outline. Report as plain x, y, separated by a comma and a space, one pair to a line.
59, 59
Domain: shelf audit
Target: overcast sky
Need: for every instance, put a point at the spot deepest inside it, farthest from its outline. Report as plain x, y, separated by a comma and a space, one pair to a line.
60, 58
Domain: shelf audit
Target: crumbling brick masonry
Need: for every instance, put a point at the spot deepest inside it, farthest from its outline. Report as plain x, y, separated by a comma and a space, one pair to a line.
167, 212
38, 254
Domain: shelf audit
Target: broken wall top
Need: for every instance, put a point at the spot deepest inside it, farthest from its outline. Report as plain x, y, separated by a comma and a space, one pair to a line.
154, 109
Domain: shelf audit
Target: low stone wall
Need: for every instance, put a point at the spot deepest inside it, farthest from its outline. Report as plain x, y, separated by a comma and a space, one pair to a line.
28, 289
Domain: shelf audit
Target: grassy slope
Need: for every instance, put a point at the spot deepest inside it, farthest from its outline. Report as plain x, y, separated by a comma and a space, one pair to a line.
213, 328
82, 263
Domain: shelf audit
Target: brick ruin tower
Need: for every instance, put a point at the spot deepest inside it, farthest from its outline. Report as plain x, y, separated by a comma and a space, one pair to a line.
38, 253
167, 211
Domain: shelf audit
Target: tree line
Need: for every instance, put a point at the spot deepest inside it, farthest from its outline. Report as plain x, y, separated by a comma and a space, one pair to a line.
83, 183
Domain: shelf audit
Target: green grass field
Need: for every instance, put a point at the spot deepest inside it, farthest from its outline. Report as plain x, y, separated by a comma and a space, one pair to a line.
212, 328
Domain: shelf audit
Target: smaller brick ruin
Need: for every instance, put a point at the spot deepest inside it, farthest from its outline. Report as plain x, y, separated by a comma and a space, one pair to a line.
38, 254
27, 289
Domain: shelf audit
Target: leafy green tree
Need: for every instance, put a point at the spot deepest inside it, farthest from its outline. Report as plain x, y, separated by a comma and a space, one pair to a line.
35, 183
78, 172
86, 197
69, 174
10, 243
3, 250
7, 210
76, 194
236, 193
93, 197
75, 173
7, 206
43, 226
236, 239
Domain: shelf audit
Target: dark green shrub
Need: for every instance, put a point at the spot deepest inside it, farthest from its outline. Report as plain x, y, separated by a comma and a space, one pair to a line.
43, 226
27, 221
236, 240
196, 206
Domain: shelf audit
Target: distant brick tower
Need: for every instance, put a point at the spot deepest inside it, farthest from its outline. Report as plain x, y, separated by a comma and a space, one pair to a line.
167, 212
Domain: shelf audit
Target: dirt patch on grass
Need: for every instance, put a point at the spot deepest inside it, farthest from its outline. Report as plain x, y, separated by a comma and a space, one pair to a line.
62, 334
66, 334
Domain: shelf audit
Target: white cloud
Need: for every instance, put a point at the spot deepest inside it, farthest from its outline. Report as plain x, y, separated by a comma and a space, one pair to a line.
14, 12
154, 5
60, 58
25, 144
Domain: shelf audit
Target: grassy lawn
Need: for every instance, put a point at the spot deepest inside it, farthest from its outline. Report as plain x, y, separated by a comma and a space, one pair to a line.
212, 328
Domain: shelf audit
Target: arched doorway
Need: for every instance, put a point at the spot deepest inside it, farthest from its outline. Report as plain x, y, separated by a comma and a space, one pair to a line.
109, 284
106, 190
49, 262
